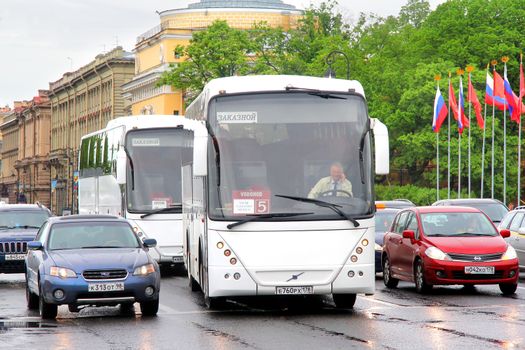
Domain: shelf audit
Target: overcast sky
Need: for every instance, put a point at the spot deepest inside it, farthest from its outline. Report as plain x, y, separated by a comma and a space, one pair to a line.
42, 39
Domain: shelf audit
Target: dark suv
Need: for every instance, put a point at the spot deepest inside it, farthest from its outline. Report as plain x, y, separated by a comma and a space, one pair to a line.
19, 224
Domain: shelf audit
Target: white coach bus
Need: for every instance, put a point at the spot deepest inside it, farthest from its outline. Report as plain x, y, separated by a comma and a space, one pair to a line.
282, 200
132, 168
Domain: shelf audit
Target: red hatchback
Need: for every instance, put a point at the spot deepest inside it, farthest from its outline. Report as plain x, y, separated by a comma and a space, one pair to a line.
448, 245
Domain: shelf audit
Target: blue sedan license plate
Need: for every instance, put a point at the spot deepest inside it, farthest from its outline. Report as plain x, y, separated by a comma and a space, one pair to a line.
106, 287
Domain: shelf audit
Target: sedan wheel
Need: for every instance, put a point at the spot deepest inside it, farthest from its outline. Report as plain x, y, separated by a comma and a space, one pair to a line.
389, 281
508, 288
149, 308
47, 311
419, 276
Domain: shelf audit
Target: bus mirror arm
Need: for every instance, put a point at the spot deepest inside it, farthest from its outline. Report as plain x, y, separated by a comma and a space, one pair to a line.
381, 146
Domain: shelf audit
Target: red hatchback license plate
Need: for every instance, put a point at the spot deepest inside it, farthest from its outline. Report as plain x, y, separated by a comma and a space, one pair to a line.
479, 270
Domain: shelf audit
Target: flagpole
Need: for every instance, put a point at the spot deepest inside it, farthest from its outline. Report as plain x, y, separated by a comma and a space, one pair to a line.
483, 145
494, 62
504, 60
448, 135
469, 70
520, 94
460, 130
437, 78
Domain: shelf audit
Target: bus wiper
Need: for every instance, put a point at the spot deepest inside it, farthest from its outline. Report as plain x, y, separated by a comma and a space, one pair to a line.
172, 208
132, 168
334, 207
315, 92
256, 217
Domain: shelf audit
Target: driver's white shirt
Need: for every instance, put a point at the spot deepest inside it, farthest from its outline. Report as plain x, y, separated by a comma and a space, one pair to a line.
326, 184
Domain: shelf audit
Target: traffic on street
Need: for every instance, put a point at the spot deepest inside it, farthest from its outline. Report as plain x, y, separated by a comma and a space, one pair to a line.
448, 317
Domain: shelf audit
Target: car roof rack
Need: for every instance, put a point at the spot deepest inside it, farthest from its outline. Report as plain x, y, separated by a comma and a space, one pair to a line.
87, 217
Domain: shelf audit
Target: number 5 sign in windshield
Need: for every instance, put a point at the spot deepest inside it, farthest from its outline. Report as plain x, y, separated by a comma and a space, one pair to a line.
251, 202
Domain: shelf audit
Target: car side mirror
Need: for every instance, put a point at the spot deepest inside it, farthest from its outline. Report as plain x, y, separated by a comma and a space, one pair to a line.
506, 233
409, 234
34, 245
150, 243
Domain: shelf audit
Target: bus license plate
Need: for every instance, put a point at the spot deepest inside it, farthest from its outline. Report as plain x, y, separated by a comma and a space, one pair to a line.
106, 287
479, 270
9, 257
294, 290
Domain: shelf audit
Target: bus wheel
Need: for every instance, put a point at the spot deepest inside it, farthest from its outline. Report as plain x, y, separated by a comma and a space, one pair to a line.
194, 285
344, 301
214, 303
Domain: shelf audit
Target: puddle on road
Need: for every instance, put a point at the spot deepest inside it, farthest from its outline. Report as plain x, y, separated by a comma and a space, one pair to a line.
5, 326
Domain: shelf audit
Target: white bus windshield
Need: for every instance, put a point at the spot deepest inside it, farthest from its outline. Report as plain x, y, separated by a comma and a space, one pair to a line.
154, 175
300, 144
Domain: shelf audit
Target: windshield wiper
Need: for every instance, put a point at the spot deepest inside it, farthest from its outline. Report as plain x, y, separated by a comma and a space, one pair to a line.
174, 207
132, 168
15, 227
103, 246
315, 92
470, 234
264, 216
334, 207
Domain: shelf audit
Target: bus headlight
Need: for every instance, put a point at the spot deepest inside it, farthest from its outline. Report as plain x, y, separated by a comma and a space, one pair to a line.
62, 272
509, 254
144, 270
378, 248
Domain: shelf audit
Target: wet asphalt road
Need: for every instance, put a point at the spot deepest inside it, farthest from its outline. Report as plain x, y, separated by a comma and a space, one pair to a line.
447, 318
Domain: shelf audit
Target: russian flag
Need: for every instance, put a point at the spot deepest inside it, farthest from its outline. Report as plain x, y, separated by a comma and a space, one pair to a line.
511, 98
462, 119
490, 99
440, 111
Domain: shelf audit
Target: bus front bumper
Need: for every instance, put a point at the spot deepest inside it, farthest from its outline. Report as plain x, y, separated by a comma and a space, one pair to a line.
237, 281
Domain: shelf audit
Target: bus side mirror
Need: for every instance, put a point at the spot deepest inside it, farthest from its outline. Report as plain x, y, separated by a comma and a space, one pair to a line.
200, 150
381, 146
122, 161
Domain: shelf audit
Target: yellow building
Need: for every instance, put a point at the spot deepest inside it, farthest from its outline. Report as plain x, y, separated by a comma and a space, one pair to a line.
155, 49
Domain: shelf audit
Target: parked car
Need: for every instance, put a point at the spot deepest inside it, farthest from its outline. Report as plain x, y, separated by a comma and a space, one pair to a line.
395, 203
494, 209
384, 218
19, 224
93, 260
515, 223
448, 245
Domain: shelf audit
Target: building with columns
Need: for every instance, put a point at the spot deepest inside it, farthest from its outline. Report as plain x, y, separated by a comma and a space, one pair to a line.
155, 49
83, 101
32, 164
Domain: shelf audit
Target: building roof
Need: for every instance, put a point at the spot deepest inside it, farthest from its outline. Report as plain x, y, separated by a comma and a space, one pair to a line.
265, 4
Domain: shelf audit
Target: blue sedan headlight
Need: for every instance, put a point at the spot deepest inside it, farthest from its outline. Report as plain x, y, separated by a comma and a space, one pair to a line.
144, 270
62, 272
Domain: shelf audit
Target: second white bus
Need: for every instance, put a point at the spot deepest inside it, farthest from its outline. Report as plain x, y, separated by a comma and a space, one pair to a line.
132, 168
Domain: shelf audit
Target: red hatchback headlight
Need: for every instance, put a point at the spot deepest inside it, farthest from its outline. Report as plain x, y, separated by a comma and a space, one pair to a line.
436, 254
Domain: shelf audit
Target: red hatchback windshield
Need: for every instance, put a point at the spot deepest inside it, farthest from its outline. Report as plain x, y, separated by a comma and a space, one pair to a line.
457, 224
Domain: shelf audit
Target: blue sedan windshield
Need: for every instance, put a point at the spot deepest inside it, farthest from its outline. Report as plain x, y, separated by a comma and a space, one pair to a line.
81, 235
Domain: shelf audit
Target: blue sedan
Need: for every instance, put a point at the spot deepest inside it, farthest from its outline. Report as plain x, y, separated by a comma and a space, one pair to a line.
90, 260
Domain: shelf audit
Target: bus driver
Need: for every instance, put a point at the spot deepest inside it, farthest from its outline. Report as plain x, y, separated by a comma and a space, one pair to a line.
334, 185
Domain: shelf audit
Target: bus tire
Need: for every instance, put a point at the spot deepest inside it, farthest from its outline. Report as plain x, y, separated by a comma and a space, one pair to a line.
344, 301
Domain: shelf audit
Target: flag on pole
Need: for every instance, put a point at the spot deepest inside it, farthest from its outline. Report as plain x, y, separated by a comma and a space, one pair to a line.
511, 98
472, 97
452, 100
440, 111
462, 119
490, 98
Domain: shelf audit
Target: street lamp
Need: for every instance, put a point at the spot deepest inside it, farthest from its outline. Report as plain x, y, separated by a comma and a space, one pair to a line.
330, 73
